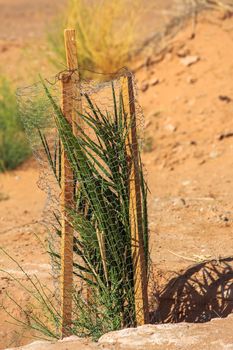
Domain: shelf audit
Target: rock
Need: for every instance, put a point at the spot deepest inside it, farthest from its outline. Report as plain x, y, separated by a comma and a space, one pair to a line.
191, 80
225, 135
186, 182
224, 218
208, 336
144, 87
189, 60
214, 154
147, 123
224, 98
203, 161
170, 127
70, 343
36, 345
213, 335
193, 143
183, 52
153, 81
179, 202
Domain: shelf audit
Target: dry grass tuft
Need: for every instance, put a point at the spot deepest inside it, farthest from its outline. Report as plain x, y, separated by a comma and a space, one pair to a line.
107, 32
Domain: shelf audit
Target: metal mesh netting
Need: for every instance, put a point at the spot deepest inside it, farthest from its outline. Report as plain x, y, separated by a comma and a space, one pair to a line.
93, 175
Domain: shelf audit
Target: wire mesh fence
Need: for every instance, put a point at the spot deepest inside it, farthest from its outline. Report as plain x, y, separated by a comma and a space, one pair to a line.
88, 145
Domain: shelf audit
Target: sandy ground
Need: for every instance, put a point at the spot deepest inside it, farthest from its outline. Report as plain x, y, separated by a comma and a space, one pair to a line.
188, 107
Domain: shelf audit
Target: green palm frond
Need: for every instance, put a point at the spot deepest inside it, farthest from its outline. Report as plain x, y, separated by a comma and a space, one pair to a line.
100, 217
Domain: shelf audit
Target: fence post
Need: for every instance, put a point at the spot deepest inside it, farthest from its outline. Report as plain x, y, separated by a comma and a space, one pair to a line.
140, 273
67, 231
71, 103
72, 65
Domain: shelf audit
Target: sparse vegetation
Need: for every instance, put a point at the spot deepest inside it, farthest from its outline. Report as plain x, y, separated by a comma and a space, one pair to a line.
107, 32
14, 148
103, 261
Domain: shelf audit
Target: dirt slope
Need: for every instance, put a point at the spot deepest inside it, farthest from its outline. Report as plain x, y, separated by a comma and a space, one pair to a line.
189, 144
187, 97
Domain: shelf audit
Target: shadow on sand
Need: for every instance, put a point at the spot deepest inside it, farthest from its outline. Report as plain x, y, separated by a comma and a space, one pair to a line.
200, 293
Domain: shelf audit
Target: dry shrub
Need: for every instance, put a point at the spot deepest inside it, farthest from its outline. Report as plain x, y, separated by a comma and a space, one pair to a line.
107, 32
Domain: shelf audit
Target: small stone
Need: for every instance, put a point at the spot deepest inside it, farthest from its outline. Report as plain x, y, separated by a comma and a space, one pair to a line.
225, 135
203, 161
224, 98
191, 80
179, 202
193, 143
224, 218
186, 182
170, 127
214, 154
154, 81
144, 87
183, 52
147, 123
189, 60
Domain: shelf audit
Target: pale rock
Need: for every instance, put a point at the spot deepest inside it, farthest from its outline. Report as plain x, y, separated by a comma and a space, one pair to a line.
170, 127
186, 182
153, 81
208, 336
189, 60
214, 154
144, 87
213, 335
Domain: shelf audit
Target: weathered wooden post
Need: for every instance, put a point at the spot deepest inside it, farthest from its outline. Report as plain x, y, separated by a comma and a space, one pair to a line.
71, 103
137, 244
72, 65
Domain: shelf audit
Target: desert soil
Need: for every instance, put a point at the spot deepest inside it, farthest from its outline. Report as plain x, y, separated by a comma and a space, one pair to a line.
187, 98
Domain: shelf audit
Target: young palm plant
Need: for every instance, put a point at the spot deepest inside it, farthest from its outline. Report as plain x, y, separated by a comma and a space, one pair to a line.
100, 215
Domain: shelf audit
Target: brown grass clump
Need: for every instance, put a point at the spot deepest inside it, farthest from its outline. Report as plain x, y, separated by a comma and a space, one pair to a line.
107, 32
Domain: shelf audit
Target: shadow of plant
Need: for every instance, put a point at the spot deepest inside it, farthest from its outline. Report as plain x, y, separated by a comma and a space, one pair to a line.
202, 292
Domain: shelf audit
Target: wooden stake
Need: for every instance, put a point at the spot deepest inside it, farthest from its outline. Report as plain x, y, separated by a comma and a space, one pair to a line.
67, 193
71, 104
140, 274
72, 65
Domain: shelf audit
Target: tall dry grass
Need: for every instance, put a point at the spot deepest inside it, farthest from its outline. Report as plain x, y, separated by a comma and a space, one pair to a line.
107, 32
